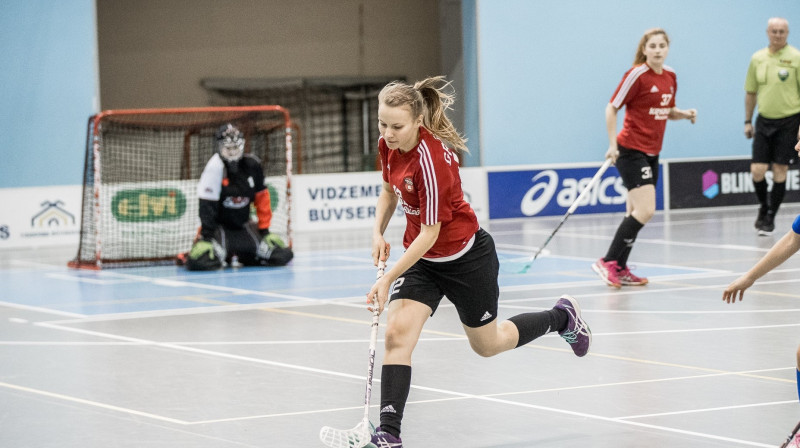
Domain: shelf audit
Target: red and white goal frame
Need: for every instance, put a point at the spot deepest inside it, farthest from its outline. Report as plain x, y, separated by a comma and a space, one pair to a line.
140, 177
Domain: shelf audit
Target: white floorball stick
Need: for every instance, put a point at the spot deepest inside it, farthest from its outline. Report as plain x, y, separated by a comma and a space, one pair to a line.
571, 209
361, 434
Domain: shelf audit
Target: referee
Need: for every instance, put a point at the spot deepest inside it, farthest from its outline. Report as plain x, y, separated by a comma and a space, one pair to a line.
773, 84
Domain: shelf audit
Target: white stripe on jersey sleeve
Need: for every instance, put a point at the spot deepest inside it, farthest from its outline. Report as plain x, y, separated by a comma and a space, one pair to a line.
627, 83
431, 184
209, 186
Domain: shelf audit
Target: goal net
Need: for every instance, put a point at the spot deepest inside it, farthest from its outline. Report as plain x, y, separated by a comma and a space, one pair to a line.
140, 204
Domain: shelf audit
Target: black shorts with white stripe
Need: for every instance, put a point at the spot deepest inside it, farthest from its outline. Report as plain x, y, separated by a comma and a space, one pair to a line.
469, 282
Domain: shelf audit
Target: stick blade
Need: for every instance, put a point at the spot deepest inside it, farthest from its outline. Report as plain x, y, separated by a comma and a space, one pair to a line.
520, 265
358, 437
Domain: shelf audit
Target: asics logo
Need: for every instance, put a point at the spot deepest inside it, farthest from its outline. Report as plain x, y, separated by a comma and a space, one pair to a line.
546, 186
545, 190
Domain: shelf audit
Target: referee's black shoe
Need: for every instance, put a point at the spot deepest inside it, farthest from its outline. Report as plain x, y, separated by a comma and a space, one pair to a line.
768, 226
762, 212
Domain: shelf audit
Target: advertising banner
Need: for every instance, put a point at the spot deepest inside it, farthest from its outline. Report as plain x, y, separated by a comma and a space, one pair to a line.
550, 192
148, 219
348, 200
40, 216
719, 183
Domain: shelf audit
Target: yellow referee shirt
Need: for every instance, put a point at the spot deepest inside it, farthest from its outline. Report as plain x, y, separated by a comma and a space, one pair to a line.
774, 78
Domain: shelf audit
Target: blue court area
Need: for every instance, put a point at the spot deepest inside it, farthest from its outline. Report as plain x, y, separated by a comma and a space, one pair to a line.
312, 277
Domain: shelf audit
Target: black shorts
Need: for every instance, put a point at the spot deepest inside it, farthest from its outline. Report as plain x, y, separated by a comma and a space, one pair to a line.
469, 282
636, 168
774, 140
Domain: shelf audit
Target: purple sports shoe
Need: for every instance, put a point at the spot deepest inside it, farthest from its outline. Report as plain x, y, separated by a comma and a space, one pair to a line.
382, 439
577, 333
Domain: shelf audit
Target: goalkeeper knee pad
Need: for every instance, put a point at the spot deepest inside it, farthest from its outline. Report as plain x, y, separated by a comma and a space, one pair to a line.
205, 256
280, 256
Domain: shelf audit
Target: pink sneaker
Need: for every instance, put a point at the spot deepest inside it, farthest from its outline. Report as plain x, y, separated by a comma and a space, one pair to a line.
608, 271
627, 278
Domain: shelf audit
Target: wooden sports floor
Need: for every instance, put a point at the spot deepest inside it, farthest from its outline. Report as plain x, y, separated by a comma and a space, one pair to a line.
264, 357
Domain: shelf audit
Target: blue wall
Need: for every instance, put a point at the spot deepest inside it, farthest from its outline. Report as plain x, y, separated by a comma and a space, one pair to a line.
547, 69
48, 88
538, 74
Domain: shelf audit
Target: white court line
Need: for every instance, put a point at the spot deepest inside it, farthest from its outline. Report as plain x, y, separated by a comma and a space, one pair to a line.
576, 232
696, 330
181, 283
634, 289
41, 310
92, 403
721, 408
428, 389
190, 311
81, 279
518, 250
602, 311
68, 343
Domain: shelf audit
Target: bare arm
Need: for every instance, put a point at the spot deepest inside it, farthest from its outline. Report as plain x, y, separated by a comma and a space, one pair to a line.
780, 252
749, 107
387, 203
611, 127
679, 114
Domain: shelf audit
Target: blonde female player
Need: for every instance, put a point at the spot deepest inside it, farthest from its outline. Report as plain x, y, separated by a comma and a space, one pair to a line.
446, 251
647, 91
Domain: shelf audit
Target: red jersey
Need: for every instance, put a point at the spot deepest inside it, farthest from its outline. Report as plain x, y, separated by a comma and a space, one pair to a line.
648, 98
427, 182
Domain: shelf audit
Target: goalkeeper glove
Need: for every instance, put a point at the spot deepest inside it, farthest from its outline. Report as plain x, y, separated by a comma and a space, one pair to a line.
274, 240
205, 256
201, 248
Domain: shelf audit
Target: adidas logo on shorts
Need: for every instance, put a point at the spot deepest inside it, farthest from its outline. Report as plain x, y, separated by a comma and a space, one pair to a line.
486, 315
388, 410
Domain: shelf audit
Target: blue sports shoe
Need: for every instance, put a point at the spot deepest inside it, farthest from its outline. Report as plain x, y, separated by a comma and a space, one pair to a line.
382, 439
577, 333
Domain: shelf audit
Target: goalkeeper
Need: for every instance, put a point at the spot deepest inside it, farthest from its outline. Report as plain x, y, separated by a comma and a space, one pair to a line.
230, 183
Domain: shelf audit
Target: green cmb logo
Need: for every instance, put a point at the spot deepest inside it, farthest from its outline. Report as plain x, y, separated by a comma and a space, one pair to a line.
148, 205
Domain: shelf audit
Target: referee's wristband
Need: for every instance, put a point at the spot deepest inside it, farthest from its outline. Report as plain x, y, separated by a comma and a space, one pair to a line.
748, 122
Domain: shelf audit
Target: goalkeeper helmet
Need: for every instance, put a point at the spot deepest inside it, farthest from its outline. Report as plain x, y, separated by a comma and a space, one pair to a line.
230, 142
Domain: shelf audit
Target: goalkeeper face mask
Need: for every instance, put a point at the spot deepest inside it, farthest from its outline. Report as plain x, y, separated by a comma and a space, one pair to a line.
230, 143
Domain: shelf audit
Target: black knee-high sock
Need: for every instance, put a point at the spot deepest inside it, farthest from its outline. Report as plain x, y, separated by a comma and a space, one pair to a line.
776, 196
761, 193
623, 259
395, 384
623, 240
533, 325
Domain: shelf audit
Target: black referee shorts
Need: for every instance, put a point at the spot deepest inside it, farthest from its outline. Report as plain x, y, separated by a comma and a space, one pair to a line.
469, 282
774, 140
